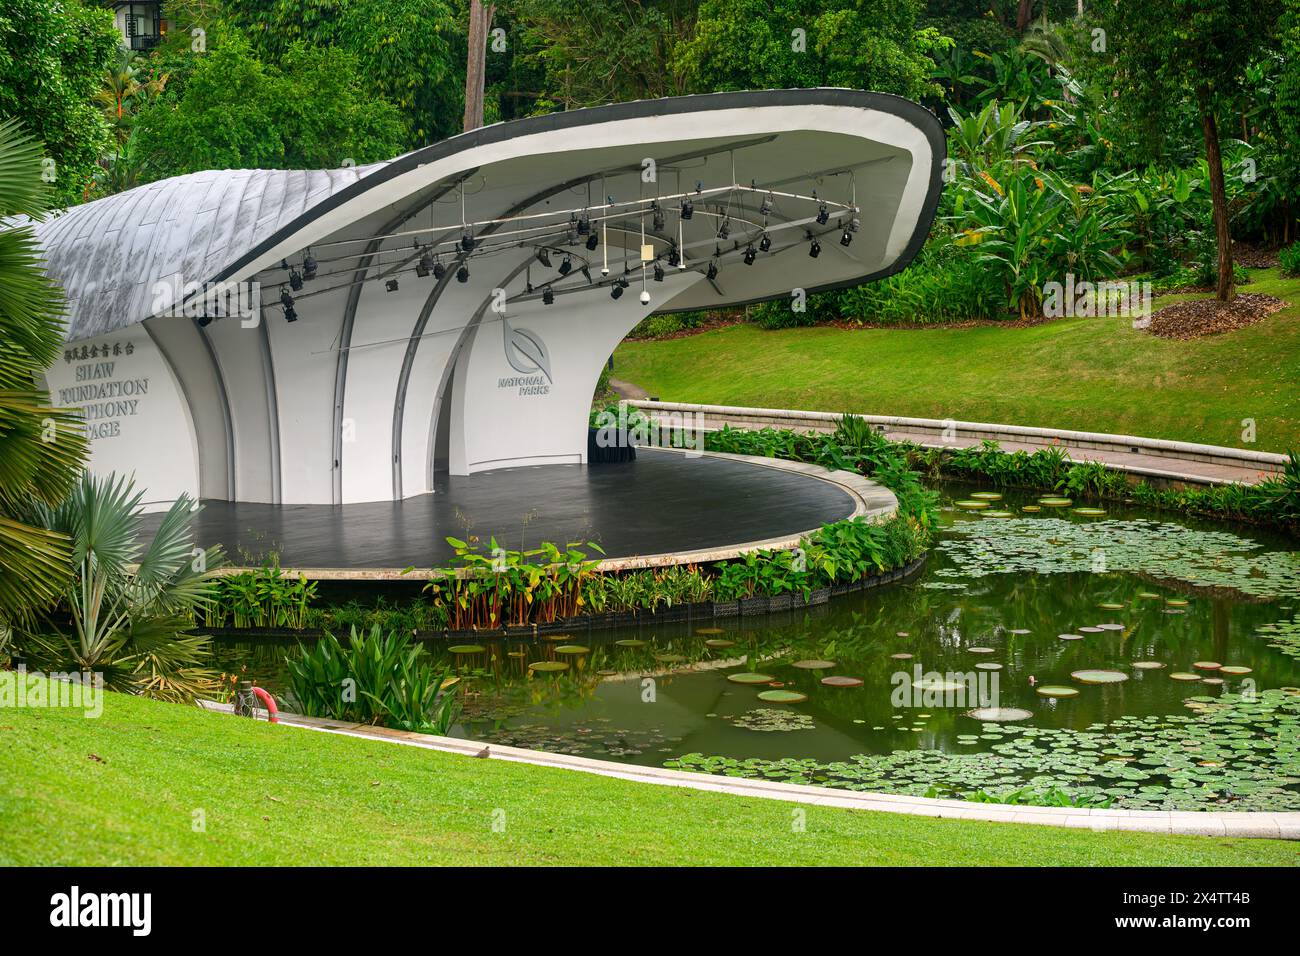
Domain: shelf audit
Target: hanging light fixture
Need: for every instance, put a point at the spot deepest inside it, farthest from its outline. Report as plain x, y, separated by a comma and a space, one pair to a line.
658, 274
593, 241
688, 209
462, 274
391, 285
286, 303
467, 242
658, 224
425, 265
548, 297
712, 272
544, 257
674, 257
823, 215
766, 208
295, 280
750, 256
765, 243
584, 224
309, 266
566, 266
439, 270
815, 249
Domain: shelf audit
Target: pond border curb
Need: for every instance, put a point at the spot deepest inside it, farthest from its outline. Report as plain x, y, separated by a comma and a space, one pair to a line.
1284, 825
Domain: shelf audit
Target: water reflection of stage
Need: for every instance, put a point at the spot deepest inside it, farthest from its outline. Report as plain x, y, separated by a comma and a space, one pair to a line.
662, 502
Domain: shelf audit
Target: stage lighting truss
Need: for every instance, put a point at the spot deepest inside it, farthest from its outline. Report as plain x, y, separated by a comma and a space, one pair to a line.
744, 217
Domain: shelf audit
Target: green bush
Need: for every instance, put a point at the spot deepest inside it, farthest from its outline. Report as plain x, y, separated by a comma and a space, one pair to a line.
1289, 258
376, 678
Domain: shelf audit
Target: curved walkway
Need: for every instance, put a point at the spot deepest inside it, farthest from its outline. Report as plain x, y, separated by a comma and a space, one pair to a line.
1284, 826
1176, 461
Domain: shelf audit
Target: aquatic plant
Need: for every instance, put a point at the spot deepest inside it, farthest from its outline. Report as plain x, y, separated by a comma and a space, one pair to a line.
376, 678
1237, 751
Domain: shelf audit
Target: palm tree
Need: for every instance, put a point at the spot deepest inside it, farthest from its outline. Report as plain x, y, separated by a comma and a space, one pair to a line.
41, 448
127, 612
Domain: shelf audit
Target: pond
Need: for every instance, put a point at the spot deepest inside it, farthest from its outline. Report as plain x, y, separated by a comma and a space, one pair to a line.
1128, 658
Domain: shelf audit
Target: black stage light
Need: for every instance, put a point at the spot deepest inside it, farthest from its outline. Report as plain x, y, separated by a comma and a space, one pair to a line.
439, 270
295, 280
688, 209
467, 241
823, 215
286, 303
765, 243
544, 257
565, 266
674, 257
309, 266
815, 249
584, 225
712, 272
766, 208
592, 241
391, 285
462, 274
616, 292
289, 314
425, 265
750, 256
658, 222
658, 273
846, 238
724, 230
548, 296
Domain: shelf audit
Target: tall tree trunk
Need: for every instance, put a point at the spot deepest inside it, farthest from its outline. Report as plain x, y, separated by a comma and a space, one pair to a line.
1024, 13
1218, 195
480, 20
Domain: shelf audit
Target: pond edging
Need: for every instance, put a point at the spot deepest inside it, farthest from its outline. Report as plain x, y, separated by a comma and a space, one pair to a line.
1284, 825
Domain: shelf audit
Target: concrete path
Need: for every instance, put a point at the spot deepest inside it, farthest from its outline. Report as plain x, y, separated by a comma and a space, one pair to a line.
1174, 461
1284, 826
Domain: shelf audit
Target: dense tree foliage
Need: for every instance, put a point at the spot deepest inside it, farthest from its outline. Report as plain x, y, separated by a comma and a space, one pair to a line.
235, 111
52, 57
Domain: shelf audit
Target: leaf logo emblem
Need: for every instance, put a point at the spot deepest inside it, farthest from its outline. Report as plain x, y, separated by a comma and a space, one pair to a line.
525, 351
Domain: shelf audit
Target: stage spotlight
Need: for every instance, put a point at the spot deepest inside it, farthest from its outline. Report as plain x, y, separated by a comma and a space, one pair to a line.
548, 297
855, 225
439, 270
584, 225
565, 266
765, 243
286, 303
544, 257
309, 266
645, 297
766, 208
462, 274
674, 257
616, 292
658, 273
846, 238
725, 229
712, 272
592, 241
391, 285
688, 209
658, 222
815, 249
425, 265
467, 241
295, 280
750, 256
823, 215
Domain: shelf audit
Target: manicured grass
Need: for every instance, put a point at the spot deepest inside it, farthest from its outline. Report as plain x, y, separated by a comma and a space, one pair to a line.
1096, 374
280, 795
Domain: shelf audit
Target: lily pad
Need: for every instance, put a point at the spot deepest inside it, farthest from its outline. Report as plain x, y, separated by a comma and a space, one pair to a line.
466, 649
1088, 512
1233, 670
749, 677
837, 680
1148, 665
813, 665
1000, 714
548, 667
782, 696
1056, 690
1099, 676
1184, 676
971, 504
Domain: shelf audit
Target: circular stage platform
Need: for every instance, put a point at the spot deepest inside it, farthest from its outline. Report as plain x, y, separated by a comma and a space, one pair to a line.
667, 507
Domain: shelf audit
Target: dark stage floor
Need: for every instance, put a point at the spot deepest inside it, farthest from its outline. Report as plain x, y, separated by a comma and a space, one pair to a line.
661, 502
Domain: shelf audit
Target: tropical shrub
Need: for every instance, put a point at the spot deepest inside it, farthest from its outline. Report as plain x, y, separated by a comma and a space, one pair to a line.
262, 598
377, 678
504, 587
127, 611
1289, 259
35, 562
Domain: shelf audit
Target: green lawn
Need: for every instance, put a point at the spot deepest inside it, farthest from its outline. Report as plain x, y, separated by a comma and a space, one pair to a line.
1094, 374
279, 795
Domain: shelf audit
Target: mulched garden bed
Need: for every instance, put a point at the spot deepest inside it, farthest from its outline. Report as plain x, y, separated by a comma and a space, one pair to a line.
1191, 320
